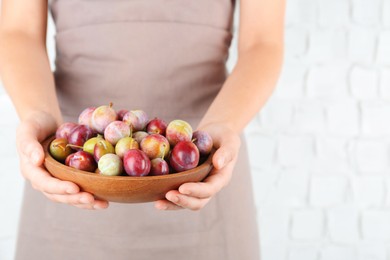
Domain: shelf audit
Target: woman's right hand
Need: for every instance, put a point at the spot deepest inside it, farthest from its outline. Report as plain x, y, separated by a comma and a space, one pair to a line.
31, 132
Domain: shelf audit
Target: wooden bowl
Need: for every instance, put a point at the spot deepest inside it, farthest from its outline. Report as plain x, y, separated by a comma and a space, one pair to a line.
124, 189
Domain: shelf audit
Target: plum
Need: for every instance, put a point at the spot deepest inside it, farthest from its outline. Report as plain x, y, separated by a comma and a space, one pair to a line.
156, 126
110, 165
155, 146
139, 135
125, 144
158, 167
136, 119
89, 145
59, 149
184, 156
64, 130
136, 163
81, 160
102, 117
102, 147
86, 116
115, 131
79, 135
121, 113
178, 130
203, 141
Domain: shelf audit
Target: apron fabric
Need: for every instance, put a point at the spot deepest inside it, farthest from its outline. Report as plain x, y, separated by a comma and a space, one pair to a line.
166, 57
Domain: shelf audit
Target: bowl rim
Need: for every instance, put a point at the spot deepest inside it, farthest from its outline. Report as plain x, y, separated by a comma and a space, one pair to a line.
49, 159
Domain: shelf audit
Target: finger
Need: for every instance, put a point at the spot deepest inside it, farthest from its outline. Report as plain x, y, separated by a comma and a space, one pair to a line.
226, 152
79, 198
82, 200
31, 132
210, 186
200, 190
185, 201
101, 204
40, 124
166, 205
98, 204
42, 181
84, 206
31, 149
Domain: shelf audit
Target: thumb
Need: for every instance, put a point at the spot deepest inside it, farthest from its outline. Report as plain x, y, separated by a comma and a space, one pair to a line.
33, 129
28, 144
225, 154
34, 152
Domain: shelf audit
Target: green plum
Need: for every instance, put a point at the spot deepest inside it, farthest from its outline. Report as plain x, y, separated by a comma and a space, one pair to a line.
125, 144
102, 147
89, 145
110, 165
59, 149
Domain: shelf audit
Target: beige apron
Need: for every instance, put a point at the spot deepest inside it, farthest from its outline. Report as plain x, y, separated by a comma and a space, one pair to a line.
166, 57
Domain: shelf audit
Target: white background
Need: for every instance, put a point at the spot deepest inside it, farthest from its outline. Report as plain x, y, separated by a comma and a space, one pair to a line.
319, 149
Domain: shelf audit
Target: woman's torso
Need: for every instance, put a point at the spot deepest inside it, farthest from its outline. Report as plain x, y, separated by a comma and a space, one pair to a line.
166, 56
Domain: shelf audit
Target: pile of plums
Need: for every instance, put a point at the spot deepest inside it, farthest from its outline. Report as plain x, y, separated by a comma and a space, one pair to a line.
125, 142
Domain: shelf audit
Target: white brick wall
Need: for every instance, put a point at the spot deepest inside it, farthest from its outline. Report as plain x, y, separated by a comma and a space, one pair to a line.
11, 181
327, 191
337, 9
343, 117
372, 251
332, 252
369, 191
386, 14
292, 188
327, 45
376, 225
307, 225
309, 117
327, 81
319, 149
383, 55
371, 155
373, 115
301, 12
364, 82
361, 44
303, 252
366, 12
343, 224
295, 150
384, 89
330, 118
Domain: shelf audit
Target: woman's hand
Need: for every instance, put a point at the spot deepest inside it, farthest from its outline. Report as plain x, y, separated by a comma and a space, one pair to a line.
32, 130
195, 195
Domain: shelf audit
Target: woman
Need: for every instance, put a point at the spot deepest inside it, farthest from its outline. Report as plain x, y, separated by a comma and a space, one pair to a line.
167, 58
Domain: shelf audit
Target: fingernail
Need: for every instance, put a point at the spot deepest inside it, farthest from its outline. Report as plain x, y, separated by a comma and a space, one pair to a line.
221, 162
70, 191
175, 199
97, 206
34, 158
84, 200
186, 192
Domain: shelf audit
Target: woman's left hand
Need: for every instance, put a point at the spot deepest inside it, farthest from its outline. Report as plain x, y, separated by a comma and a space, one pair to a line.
195, 195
